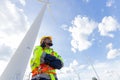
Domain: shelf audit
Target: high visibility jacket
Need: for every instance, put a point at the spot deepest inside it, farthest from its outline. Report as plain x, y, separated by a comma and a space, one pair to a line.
36, 59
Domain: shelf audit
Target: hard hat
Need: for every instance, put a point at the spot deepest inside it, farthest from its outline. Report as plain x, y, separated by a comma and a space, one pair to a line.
45, 37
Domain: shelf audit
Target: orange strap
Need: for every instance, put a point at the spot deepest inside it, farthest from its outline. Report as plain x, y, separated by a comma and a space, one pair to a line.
43, 68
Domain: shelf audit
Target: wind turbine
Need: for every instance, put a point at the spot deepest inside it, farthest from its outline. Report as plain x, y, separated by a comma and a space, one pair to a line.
17, 65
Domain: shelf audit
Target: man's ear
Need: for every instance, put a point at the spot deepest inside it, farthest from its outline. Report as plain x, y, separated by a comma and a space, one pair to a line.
43, 45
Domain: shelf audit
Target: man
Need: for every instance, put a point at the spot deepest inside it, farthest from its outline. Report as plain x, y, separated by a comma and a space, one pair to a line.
45, 61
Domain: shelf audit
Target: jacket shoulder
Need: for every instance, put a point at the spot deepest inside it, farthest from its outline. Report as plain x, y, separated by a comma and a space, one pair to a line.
37, 47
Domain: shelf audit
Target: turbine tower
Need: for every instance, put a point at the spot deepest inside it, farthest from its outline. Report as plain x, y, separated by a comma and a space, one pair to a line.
17, 65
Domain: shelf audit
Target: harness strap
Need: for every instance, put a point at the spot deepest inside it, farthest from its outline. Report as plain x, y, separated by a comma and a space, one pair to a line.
43, 68
43, 75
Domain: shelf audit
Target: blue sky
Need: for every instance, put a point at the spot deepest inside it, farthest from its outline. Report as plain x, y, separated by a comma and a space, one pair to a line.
84, 32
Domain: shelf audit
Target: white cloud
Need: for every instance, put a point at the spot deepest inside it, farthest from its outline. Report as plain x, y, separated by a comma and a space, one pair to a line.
74, 64
112, 53
73, 49
104, 70
13, 25
82, 27
108, 25
73, 69
109, 3
109, 46
12, 40
64, 27
80, 30
22, 2
12, 19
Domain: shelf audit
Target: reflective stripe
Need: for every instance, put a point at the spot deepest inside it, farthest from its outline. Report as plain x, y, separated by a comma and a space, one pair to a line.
52, 77
43, 75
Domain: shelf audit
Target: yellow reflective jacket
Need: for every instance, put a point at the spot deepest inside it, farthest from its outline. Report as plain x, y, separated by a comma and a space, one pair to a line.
35, 60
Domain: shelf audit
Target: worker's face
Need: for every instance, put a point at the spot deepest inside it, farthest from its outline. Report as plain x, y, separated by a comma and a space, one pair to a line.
48, 42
